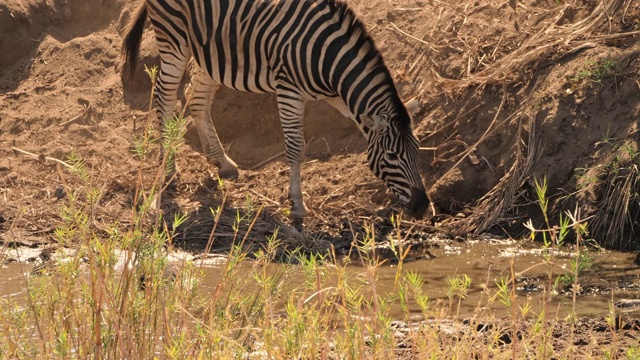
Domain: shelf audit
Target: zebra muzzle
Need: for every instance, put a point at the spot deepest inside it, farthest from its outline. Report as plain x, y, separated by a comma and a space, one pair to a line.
418, 203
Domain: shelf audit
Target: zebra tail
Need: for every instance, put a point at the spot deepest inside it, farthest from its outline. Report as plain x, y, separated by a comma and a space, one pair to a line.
131, 41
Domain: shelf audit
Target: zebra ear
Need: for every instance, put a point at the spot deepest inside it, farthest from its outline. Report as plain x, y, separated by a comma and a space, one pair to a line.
375, 122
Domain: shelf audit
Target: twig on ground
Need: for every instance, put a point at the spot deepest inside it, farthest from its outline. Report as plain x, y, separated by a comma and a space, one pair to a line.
41, 157
264, 197
486, 134
87, 107
413, 37
264, 162
330, 196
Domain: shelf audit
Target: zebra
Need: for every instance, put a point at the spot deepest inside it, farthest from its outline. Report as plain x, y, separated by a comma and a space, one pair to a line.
301, 50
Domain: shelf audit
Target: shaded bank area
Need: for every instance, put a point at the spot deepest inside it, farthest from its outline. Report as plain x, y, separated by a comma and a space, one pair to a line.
549, 93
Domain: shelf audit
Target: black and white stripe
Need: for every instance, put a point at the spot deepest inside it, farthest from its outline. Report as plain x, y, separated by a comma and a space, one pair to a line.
299, 49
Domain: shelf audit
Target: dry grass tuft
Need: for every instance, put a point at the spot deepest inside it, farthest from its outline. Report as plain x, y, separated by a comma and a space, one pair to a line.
492, 208
544, 45
619, 205
512, 62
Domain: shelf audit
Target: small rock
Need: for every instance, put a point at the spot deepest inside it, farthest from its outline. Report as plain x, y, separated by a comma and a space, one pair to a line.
46, 253
170, 274
60, 193
627, 303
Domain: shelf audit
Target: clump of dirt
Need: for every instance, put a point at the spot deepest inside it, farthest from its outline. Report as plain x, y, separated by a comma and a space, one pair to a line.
506, 95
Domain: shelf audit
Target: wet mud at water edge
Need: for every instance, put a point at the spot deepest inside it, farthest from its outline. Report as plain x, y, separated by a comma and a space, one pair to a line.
608, 279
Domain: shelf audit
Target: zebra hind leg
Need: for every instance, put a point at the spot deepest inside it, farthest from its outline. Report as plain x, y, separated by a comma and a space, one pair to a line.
200, 95
172, 68
291, 108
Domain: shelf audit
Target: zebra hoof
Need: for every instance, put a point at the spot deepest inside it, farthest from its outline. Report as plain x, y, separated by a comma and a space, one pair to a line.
228, 174
297, 224
227, 169
298, 212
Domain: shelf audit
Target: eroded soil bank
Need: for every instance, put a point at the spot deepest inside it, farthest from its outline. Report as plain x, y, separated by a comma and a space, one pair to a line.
505, 96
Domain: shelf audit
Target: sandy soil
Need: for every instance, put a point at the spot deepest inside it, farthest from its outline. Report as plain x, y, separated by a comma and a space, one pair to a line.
492, 81
61, 93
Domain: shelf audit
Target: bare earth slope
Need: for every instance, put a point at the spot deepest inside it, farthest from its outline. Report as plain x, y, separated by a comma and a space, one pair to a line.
506, 95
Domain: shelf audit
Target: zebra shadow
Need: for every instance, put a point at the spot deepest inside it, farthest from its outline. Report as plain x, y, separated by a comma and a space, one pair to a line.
217, 226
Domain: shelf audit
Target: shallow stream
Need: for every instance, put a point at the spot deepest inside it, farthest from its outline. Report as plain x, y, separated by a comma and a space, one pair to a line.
613, 276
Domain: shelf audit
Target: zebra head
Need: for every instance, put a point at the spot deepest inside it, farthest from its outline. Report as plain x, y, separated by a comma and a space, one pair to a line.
392, 156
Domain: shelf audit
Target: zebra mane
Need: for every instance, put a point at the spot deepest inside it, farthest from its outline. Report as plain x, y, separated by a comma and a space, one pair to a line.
403, 120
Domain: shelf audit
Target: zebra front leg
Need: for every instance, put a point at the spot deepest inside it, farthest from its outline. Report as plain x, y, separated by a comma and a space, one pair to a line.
291, 110
200, 95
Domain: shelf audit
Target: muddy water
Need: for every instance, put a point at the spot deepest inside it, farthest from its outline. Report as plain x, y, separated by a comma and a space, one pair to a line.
12, 280
13, 276
613, 277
